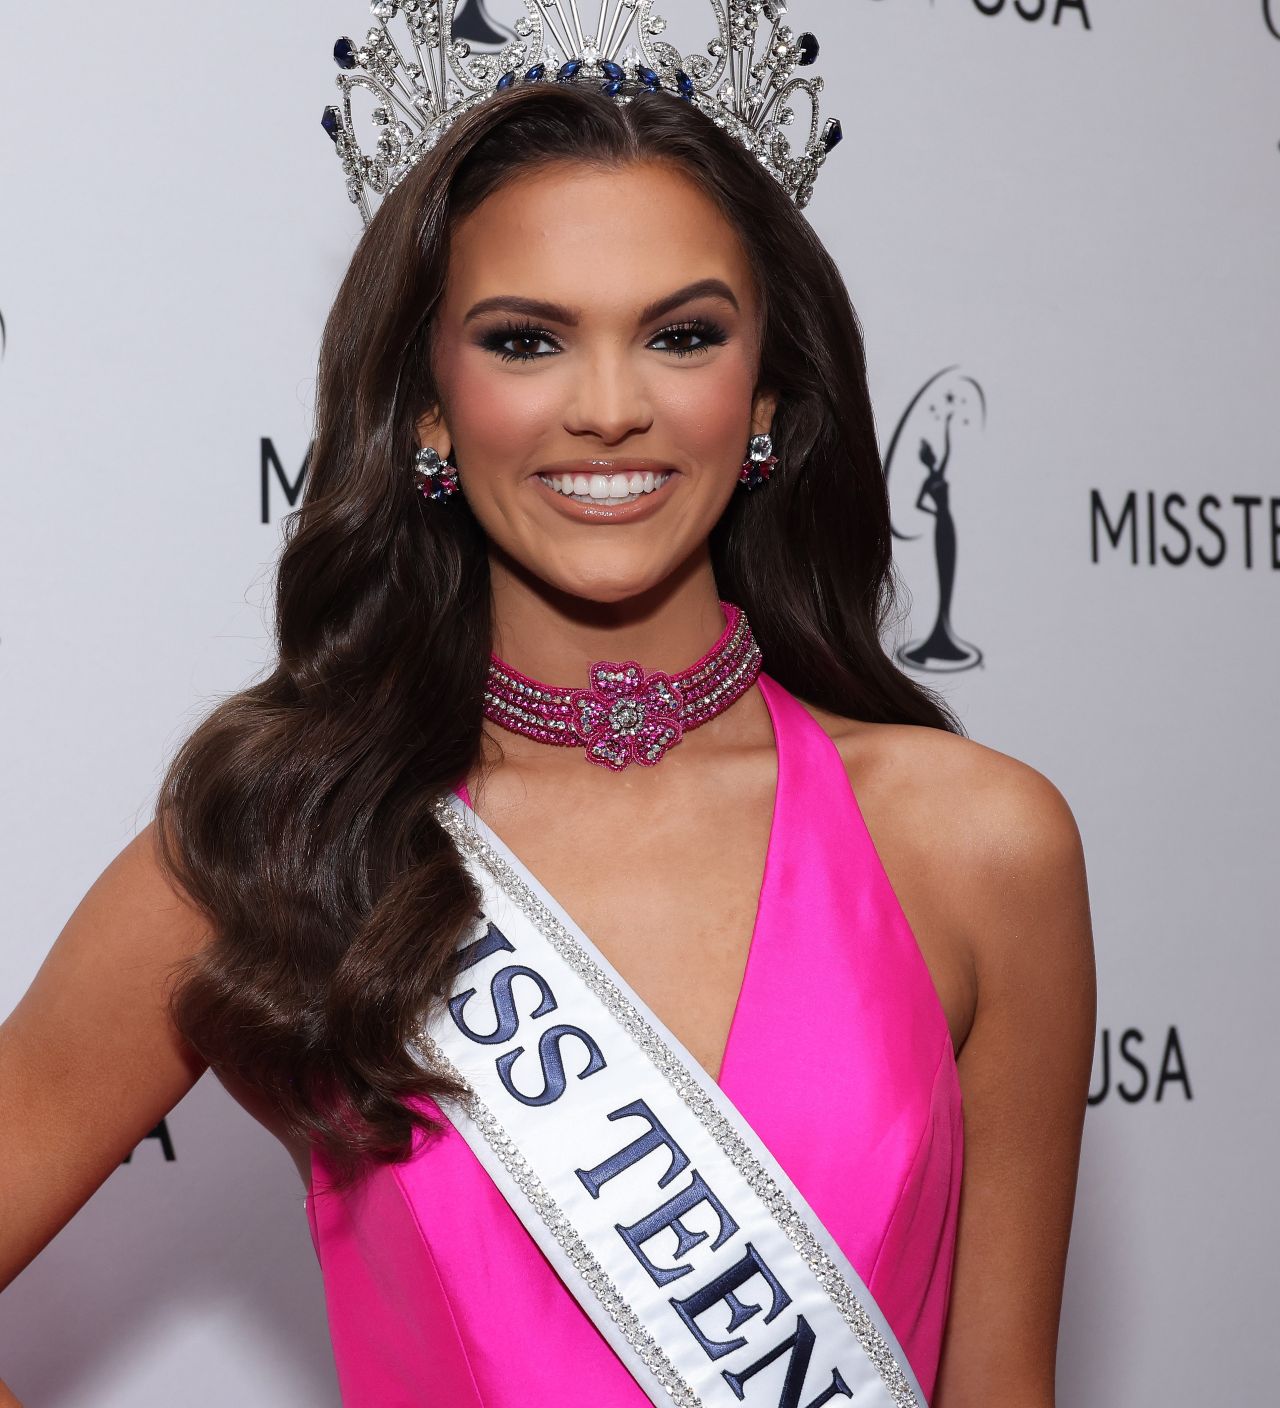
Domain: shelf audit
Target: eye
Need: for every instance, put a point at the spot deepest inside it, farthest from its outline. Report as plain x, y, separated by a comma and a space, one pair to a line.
524, 332
709, 334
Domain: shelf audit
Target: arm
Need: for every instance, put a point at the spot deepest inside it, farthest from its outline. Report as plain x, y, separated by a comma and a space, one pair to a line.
946, 444
1024, 1071
89, 1060
920, 498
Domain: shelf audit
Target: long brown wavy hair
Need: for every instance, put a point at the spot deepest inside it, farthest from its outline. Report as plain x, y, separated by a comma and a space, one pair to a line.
298, 815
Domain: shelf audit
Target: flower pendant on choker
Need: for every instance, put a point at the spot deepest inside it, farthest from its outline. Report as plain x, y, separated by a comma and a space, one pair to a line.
627, 714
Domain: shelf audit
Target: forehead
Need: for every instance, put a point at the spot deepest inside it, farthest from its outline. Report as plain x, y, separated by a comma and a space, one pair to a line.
595, 237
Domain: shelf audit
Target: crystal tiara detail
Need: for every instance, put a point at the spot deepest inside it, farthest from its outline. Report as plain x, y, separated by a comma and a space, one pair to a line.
423, 83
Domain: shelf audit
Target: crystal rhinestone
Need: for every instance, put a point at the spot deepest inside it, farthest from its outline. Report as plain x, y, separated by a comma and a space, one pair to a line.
808, 49
344, 53
832, 134
626, 716
332, 122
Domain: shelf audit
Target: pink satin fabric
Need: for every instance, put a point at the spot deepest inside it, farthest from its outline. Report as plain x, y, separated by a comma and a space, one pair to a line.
840, 1059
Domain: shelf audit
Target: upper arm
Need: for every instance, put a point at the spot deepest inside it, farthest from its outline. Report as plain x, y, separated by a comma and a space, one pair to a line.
89, 1059
1024, 1072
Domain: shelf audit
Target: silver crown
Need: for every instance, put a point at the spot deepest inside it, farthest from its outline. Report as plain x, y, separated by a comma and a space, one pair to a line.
427, 80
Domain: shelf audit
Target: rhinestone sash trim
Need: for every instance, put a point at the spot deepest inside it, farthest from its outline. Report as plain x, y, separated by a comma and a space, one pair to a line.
627, 714
793, 1224
573, 1246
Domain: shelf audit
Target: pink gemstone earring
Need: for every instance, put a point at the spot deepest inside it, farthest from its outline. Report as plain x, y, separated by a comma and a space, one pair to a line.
759, 463
435, 478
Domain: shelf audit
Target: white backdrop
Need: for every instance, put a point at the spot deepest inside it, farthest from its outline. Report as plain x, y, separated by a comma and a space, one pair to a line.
1069, 207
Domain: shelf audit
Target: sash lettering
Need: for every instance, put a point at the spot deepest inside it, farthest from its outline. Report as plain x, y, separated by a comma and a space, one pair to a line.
666, 1217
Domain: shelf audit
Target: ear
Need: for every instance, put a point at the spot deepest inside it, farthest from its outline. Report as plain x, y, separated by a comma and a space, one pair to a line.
763, 410
432, 430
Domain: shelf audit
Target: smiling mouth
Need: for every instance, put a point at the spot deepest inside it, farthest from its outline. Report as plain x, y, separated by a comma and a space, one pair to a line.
611, 489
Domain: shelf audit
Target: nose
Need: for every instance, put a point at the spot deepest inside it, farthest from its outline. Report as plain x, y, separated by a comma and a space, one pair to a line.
610, 399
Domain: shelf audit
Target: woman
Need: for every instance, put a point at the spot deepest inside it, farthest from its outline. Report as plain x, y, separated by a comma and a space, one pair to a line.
540, 392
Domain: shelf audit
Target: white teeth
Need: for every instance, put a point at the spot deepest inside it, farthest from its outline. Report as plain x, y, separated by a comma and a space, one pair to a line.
607, 488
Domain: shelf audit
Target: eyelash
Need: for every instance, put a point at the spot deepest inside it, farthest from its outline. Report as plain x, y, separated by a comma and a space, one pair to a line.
711, 333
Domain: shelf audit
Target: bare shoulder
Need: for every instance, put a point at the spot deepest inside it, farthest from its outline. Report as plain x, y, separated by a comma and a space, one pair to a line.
982, 849
987, 859
993, 815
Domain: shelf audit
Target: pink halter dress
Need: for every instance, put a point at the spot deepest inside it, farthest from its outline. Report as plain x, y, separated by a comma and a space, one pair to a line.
839, 1057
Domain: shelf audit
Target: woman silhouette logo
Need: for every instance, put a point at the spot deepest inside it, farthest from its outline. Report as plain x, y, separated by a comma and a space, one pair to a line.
952, 396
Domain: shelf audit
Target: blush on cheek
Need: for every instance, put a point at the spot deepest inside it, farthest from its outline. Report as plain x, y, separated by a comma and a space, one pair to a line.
709, 419
499, 420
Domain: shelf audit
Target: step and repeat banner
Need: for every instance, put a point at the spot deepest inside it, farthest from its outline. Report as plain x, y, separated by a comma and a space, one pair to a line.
1060, 224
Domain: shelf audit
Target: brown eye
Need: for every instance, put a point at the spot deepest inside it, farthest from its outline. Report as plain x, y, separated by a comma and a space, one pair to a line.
708, 333
525, 333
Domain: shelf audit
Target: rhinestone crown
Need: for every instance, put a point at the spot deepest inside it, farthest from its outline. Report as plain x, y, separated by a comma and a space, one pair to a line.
424, 81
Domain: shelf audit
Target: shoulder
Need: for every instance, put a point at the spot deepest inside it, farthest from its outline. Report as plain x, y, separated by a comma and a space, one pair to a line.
993, 809
997, 836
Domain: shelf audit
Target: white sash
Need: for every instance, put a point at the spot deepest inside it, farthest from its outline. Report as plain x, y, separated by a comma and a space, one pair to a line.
653, 1199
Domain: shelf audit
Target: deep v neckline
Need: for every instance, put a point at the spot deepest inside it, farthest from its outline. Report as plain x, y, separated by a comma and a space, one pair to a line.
741, 1006
758, 928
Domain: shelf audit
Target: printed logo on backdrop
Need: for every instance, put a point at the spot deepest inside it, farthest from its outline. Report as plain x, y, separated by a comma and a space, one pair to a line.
934, 435
1033, 11
1148, 1070
1169, 530
272, 470
161, 1134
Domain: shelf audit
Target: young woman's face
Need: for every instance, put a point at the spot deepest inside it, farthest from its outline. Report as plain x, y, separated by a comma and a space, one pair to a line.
597, 352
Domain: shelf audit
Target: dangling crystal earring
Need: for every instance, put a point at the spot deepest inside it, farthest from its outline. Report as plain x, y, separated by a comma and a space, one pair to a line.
435, 478
759, 463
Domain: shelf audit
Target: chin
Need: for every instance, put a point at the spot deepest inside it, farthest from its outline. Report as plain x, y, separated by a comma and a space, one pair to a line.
610, 581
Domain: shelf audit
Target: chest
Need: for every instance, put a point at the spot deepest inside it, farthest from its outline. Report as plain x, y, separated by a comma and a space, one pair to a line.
668, 893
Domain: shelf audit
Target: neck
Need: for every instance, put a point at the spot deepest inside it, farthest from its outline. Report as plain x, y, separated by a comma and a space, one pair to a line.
554, 637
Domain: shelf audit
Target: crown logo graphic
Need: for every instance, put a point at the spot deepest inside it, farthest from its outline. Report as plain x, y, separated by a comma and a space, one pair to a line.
422, 78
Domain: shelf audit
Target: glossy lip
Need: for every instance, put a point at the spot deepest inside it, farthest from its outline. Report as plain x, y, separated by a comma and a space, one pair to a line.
579, 512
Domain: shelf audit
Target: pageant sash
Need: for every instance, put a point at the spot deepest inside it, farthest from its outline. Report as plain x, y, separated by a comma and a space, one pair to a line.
656, 1203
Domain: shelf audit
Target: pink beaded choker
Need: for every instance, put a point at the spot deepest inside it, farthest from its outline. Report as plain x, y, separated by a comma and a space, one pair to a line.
627, 714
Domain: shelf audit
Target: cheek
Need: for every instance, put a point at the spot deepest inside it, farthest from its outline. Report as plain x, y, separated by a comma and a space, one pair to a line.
496, 417
707, 414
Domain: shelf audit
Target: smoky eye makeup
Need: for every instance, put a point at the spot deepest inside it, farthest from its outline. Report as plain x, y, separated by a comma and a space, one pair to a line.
704, 332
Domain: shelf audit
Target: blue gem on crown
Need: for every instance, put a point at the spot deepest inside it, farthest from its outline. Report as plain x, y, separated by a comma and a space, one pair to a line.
424, 79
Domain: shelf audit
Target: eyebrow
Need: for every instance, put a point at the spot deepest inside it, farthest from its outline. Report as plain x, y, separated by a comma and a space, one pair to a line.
557, 312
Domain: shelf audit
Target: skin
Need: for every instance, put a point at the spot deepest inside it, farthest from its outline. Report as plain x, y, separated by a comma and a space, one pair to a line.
982, 850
